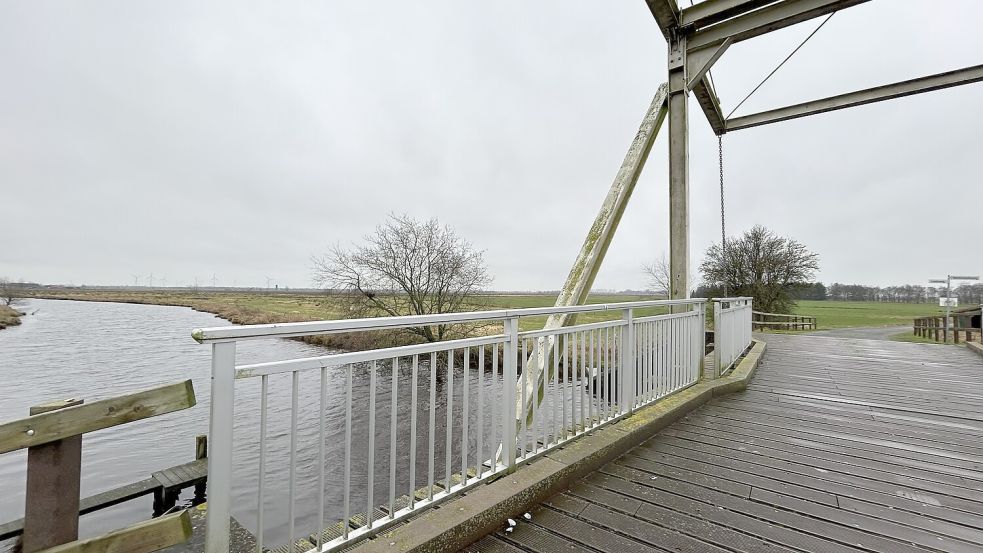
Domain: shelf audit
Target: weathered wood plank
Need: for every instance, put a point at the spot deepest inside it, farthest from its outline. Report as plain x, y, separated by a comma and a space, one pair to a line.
73, 421
144, 537
93, 503
838, 445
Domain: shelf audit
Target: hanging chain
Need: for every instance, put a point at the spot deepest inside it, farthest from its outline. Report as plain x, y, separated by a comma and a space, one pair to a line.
723, 232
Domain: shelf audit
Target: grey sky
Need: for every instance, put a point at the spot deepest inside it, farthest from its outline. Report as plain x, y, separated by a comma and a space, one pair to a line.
232, 138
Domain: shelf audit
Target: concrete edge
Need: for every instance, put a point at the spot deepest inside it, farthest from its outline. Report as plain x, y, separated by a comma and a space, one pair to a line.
973, 346
484, 509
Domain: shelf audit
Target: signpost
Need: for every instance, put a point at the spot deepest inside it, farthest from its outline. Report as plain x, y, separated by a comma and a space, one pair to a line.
949, 302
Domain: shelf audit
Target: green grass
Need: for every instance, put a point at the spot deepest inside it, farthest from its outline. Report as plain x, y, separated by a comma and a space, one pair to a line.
848, 314
522, 301
910, 337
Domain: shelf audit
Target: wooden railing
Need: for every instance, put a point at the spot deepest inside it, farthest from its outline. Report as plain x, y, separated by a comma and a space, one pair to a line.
52, 435
782, 321
936, 328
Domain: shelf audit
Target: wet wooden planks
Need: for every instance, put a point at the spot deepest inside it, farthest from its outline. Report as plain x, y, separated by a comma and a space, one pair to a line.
837, 445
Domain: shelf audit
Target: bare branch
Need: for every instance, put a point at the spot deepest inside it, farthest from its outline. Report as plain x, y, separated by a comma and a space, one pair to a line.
406, 267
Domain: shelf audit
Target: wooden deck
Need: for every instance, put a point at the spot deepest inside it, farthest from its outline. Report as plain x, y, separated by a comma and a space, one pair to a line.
838, 445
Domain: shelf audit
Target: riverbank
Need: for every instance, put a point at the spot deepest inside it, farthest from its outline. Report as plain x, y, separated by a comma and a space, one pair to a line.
9, 316
261, 307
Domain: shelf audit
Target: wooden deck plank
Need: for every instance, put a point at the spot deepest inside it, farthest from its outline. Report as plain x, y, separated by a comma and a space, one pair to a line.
838, 445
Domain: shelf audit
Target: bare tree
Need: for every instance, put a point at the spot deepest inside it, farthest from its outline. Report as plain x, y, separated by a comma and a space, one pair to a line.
406, 267
762, 265
8, 292
658, 274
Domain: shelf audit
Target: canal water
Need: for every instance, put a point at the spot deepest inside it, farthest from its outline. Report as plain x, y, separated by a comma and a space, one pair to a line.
95, 350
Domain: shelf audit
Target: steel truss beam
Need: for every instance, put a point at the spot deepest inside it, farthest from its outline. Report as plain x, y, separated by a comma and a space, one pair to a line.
709, 12
766, 20
877, 94
666, 14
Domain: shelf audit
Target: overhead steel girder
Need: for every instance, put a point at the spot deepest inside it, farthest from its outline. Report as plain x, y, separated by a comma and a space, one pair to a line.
765, 20
666, 14
877, 94
710, 105
709, 12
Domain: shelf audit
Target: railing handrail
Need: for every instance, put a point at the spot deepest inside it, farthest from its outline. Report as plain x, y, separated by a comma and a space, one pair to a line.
309, 328
737, 298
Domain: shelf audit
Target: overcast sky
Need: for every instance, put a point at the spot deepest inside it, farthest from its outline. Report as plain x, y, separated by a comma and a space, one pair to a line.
236, 139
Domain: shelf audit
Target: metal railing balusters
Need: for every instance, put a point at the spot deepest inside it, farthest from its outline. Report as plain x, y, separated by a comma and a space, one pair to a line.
432, 423
348, 451
496, 398
465, 420
509, 376
590, 370
264, 401
480, 455
320, 456
449, 431
413, 414
557, 394
603, 372
370, 504
292, 484
394, 378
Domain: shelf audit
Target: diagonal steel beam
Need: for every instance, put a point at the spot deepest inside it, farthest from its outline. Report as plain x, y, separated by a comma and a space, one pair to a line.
709, 12
766, 20
710, 105
867, 96
578, 284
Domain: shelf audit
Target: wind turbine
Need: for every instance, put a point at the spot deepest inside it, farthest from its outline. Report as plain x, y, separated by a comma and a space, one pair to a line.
136, 280
150, 277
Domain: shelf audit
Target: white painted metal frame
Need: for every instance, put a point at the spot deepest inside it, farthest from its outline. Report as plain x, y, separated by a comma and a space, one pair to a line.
602, 371
731, 331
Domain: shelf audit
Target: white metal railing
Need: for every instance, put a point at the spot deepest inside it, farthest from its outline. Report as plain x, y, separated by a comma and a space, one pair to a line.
469, 385
731, 330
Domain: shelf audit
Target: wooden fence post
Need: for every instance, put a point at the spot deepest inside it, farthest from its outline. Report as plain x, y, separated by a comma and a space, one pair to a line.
201, 452
51, 512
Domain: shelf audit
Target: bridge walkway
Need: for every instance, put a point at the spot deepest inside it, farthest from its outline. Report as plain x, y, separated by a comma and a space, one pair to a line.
838, 444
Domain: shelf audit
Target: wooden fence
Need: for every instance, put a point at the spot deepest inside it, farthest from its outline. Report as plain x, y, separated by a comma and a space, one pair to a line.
781, 321
52, 435
940, 330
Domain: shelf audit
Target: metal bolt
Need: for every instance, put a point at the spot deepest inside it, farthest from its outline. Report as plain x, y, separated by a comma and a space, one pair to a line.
30, 432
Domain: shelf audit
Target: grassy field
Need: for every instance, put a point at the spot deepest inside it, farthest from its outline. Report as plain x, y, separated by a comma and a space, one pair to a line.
847, 314
261, 308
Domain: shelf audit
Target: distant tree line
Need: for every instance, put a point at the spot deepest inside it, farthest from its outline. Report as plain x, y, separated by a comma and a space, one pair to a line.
905, 293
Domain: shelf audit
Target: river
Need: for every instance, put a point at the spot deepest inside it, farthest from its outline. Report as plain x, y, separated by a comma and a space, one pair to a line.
96, 350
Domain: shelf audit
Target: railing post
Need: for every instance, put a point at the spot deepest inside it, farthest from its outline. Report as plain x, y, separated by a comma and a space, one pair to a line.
702, 306
51, 512
718, 339
221, 415
628, 370
511, 376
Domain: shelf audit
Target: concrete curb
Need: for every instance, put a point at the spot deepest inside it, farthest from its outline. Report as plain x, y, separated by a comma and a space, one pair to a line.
467, 518
973, 346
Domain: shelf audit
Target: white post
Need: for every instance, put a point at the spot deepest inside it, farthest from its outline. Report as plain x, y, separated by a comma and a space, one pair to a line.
718, 340
510, 376
628, 372
219, 492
